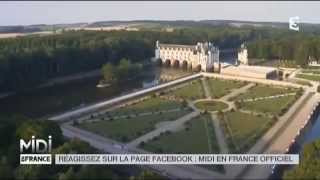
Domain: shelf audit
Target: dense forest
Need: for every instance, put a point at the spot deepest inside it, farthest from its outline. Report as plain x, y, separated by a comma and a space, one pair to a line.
31, 60
296, 47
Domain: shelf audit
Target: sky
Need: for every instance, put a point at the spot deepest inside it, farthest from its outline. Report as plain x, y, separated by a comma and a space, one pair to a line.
26, 13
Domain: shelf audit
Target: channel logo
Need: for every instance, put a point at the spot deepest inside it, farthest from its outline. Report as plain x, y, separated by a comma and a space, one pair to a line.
294, 23
39, 149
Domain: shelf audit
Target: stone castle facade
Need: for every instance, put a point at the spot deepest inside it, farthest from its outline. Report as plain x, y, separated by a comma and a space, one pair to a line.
202, 56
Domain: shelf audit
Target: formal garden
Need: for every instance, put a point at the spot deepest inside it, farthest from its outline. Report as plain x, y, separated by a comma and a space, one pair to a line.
255, 112
261, 90
191, 91
273, 106
197, 136
311, 76
210, 105
220, 87
242, 130
148, 104
128, 128
244, 116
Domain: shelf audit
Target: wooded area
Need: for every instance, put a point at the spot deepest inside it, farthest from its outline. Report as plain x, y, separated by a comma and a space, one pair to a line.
28, 61
291, 46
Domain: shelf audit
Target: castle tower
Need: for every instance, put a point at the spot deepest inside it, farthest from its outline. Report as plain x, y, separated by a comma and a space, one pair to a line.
242, 55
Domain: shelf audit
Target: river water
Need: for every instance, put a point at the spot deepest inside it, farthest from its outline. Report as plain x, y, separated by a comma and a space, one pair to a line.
47, 101
309, 134
314, 133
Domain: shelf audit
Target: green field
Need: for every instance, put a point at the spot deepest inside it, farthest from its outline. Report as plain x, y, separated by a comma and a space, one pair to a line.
149, 105
302, 82
127, 129
264, 91
312, 71
276, 106
309, 77
193, 90
219, 87
244, 129
210, 105
197, 137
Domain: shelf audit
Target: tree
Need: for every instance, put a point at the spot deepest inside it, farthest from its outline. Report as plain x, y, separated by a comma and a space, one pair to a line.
123, 69
5, 169
69, 174
109, 72
309, 165
40, 129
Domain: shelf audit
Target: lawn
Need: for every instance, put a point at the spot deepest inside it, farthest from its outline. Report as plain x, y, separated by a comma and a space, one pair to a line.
209, 105
193, 90
149, 105
302, 82
312, 71
244, 129
275, 106
309, 77
219, 87
197, 137
264, 91
127, 129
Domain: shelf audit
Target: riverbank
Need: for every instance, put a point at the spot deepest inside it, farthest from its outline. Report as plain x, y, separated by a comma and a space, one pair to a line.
298, 143
60, 80
50, 100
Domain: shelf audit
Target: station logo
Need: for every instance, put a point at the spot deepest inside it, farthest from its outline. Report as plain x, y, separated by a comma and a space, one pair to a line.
294, 23
38, 151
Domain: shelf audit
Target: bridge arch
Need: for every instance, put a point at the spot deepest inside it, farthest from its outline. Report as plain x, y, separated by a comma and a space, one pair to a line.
176, 63
197, 68
184, 64
167, 62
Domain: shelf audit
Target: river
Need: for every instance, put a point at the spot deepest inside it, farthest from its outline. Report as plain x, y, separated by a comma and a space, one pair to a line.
313, 133
47, 101
309, 134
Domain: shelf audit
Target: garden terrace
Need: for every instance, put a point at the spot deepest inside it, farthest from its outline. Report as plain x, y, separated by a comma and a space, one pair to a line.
242, 130
309, 77
127, 128
219, 87
261, 90
192, 91
197, 136
210, 105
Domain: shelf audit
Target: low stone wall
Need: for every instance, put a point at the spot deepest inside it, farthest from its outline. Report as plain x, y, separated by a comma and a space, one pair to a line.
94, 107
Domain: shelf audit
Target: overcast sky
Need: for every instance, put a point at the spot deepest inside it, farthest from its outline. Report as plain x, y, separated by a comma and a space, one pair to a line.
25, 13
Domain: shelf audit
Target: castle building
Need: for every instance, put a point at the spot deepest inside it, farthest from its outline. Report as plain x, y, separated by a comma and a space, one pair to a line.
243, 55
202, 56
